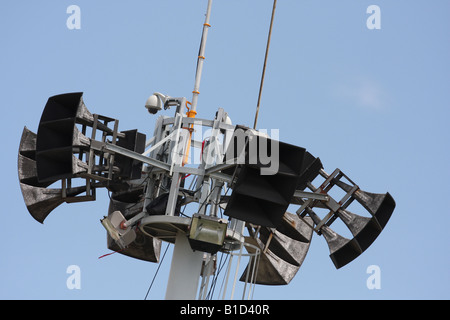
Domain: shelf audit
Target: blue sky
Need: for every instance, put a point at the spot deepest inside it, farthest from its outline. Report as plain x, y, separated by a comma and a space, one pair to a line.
374, 103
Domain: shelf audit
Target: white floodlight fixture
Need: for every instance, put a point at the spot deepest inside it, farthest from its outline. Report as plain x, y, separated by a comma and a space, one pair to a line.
207, 234
114, 225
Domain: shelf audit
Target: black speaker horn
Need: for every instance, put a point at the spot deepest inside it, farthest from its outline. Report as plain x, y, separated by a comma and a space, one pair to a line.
267, 179
280, 256
365, 230
270, 270
63, 151
27, 160
342, 250
58, 138
40, 200
380, 206
294, 227
311, 167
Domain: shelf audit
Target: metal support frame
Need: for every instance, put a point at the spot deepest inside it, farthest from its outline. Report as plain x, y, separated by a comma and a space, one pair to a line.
165, 173
320, 197
163, 176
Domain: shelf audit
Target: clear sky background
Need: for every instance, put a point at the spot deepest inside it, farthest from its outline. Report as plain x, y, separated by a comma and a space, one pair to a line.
374, 103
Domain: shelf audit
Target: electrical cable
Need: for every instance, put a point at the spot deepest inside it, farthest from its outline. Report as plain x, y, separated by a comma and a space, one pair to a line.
156, 273
222, 263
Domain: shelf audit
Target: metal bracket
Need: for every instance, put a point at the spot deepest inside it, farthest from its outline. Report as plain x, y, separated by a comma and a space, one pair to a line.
321, 197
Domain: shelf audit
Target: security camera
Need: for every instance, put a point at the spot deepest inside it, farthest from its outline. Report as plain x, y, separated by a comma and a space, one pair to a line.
155, 102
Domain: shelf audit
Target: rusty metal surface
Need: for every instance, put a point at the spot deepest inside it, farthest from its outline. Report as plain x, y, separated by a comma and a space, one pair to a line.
281, 256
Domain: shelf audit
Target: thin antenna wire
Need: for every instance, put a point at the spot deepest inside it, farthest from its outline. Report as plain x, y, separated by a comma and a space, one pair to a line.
265, 63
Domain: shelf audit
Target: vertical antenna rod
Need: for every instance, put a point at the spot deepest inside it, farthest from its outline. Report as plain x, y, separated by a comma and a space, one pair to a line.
201, 59
198, 75
265, 63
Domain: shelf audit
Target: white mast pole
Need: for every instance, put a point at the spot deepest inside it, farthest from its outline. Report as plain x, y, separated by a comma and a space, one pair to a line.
184, 271
186, 264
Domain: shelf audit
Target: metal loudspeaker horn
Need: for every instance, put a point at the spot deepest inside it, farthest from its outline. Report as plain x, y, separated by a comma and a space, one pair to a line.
40, 200
281, 256
365, 230
266, 179
311, 167
62, 151
58, 138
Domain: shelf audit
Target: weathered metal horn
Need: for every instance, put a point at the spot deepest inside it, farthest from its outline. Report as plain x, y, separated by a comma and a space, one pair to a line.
365, 230
293, 227
380, 206
342, 250
39, 200
280, 258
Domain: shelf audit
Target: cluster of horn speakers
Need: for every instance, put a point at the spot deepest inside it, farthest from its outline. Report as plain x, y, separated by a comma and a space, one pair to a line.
59, 155
61, 152
284, 238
